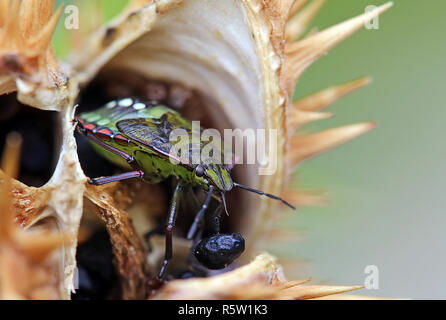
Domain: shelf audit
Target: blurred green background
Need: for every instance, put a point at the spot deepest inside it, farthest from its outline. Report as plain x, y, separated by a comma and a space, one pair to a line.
386, 189
387, 201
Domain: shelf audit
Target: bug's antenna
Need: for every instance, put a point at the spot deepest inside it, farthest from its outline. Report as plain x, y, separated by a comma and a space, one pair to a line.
224, 203
265, 194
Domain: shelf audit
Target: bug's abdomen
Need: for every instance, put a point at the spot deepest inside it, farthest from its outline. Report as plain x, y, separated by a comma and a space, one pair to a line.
141, 130
126, 108
157, 169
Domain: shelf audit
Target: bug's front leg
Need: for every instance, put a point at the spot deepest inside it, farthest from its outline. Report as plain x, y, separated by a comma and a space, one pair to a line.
169, 227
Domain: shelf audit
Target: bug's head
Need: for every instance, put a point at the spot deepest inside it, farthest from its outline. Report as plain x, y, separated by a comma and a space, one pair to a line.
217, 175
219, 250
220, 179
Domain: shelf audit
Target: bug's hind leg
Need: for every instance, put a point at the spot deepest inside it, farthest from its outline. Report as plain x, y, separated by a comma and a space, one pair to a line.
169, 228
118, 177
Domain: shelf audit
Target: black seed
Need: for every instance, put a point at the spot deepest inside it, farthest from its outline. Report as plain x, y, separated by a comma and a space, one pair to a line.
217, 251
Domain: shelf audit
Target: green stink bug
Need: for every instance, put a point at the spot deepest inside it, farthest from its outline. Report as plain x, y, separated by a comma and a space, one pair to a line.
136, 135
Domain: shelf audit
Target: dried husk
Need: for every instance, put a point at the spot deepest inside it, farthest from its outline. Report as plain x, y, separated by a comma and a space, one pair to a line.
236, 55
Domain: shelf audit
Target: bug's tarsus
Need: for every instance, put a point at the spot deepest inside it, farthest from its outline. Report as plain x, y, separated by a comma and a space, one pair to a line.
200, 214
264, 194
169, 228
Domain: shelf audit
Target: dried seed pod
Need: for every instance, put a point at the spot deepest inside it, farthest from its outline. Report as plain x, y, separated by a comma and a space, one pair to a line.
235, 60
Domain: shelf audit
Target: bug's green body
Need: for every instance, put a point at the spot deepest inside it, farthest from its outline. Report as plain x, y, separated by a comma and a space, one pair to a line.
142, 130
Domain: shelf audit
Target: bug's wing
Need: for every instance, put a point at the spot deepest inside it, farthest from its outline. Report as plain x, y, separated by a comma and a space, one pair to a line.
155, 134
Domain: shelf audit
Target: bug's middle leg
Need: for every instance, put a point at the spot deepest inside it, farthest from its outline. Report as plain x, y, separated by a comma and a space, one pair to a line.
138, 173
169, 228
118, 177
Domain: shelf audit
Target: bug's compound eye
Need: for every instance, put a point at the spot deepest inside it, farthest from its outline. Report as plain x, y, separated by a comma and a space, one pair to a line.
199, 172
219, 250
